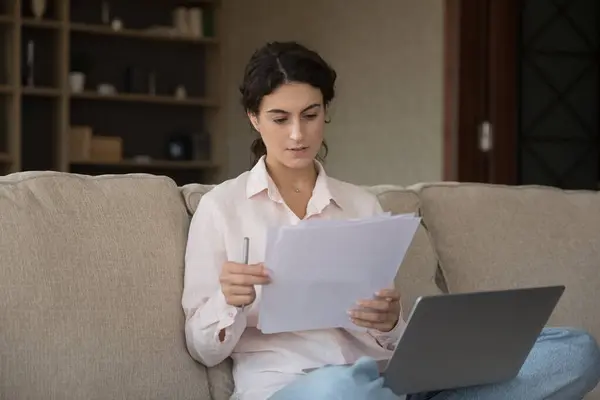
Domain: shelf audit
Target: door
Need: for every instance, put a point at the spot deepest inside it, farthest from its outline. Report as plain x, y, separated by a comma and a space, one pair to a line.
481, 90
522, 92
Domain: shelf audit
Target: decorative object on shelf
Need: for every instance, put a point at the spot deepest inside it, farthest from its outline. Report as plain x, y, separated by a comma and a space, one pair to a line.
80, 66
180, 92
116, 24
106, 149
181, 21
29, 72
136, 80
106, 89
38, 8
188, 146
80, 143
195, 22
77, 82
105, 12
180, 147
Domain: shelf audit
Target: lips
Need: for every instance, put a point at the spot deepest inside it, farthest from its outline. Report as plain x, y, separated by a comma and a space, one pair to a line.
298, 149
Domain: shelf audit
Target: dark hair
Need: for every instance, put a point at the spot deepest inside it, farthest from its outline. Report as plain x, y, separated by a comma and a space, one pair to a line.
277, 63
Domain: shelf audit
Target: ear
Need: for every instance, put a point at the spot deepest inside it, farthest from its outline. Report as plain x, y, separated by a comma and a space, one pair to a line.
254, 121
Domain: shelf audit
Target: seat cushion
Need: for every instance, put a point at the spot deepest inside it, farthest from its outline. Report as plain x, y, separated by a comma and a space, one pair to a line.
91, 282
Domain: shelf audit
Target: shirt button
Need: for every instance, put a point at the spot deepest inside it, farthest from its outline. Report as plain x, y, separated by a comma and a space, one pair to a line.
230, 314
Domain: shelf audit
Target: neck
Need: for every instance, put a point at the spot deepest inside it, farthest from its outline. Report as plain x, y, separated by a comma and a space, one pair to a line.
292, 179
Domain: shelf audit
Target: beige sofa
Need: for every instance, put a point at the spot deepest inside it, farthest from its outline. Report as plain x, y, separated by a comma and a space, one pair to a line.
91, 274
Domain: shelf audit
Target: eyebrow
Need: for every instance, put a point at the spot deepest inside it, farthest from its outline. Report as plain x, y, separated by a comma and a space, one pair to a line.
278, 111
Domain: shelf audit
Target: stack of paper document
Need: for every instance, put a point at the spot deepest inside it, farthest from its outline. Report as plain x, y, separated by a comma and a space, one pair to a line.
321, 268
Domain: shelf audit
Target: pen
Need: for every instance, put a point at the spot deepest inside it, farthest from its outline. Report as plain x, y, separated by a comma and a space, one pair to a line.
245, 251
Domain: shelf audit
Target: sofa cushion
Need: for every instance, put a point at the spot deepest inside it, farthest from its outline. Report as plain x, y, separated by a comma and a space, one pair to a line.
418, 272
496, 237
90, 287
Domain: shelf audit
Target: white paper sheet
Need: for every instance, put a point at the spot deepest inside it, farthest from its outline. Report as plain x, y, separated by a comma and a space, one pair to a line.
320, 269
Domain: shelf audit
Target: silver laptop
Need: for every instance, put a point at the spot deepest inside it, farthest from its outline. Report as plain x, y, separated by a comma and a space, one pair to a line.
468, 339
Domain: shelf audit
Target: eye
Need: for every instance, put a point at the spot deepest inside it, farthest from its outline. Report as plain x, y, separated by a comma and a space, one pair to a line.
280, 120
310, 116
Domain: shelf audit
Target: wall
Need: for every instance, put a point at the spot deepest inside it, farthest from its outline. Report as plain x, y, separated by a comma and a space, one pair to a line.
387, 116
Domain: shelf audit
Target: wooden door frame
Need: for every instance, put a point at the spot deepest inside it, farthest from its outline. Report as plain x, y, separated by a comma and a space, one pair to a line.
480, 84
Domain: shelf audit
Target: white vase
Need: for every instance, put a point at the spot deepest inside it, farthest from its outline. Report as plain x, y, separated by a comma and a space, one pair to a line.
180, 21
38, 8
77, 82
195, 21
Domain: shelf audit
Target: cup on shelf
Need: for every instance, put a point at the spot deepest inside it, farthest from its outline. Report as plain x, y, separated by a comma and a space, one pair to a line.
77, 81
181, 21
195, 22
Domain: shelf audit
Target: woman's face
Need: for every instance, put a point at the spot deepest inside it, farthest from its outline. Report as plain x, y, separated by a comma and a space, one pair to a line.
290, 122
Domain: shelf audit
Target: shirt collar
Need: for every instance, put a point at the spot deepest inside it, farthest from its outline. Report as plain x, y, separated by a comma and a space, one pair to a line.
259, 181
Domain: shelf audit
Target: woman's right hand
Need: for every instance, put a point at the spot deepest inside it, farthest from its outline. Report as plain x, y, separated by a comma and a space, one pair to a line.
238, 280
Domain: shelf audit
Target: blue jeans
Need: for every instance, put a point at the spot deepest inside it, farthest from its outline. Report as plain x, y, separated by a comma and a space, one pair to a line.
564, 364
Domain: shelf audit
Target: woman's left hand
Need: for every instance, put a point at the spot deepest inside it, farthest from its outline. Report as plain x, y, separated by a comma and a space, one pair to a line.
380, 313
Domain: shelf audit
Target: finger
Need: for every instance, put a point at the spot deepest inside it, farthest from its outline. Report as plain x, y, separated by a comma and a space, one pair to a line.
239, 301
243, 269
384, 327
390, 294
246, 280
379, 305
370, 316
239, 290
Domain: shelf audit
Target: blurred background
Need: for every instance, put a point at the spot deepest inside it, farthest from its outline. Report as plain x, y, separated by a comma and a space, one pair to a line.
428, 90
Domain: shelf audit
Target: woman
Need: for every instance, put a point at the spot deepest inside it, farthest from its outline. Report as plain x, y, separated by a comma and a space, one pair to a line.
286, 92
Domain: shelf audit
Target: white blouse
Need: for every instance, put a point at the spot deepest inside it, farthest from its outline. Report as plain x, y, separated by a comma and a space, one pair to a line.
246, 207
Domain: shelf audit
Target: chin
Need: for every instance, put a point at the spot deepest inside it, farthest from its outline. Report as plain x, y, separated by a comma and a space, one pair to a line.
299, 162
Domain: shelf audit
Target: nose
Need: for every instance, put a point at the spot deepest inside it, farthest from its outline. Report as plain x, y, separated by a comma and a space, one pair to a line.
296, 131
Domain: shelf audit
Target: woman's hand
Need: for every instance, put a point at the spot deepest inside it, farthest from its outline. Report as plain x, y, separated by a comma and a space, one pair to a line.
238, 280
380, 313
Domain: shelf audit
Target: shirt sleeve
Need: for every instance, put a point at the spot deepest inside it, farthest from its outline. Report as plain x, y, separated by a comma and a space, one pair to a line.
388, 340
206, 311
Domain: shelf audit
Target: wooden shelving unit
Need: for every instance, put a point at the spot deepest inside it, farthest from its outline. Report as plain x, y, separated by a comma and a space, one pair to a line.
5, 158
146, 98
40, 91
44, 24
136, 34
38, 112
153, 164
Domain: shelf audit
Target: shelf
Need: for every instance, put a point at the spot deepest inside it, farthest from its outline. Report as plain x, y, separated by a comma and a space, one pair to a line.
145, 98
136, 34
41, 23
40, 91
5, 158
6, 89
153, 164
6, 19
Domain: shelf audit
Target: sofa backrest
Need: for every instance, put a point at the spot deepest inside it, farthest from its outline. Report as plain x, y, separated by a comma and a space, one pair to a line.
497, 237
90, 288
